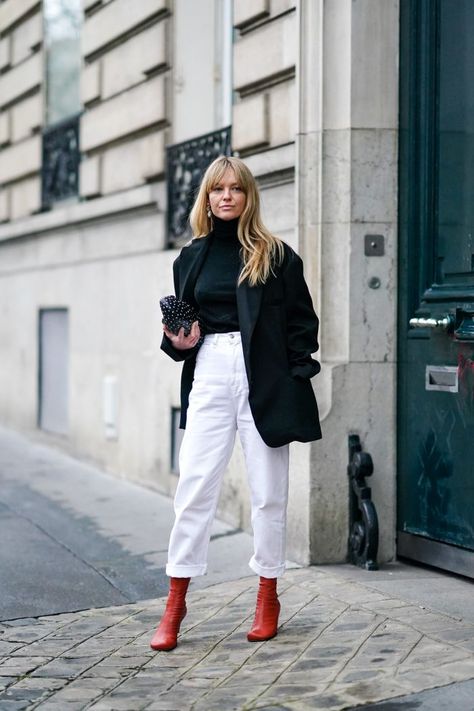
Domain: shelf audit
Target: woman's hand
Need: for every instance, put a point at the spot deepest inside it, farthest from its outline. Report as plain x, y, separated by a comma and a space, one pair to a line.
182, 342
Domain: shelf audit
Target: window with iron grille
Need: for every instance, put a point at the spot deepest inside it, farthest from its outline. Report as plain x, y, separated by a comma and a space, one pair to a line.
185, 166
60, 153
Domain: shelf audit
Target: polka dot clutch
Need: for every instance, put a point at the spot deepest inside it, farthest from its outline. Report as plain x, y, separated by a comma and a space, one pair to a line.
177, 314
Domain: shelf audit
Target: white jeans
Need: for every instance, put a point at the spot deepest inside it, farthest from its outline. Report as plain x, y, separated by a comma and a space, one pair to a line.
218, 407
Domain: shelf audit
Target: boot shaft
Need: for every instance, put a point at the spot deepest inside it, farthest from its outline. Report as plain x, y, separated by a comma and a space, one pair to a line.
267, 589
177, 594
179, 586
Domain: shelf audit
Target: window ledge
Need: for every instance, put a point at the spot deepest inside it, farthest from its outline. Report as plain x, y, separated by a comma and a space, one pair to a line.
145, 197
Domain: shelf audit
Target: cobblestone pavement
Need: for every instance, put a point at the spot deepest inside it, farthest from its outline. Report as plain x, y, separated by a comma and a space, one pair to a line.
340, 644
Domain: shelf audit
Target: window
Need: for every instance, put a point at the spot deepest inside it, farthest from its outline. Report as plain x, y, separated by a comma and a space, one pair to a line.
62, 25
60, 167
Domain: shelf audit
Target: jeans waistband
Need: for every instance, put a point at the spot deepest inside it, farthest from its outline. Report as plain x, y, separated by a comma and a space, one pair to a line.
231, 338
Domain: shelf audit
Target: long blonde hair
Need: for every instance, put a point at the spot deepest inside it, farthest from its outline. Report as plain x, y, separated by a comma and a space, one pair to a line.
261, 249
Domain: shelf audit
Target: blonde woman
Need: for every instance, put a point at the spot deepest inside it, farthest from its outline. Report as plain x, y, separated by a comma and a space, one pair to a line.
251, 374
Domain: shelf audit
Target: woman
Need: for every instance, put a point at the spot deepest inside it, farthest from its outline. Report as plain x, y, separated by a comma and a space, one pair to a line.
251, 373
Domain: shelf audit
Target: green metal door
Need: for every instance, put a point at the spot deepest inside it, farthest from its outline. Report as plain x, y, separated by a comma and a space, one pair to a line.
436, 284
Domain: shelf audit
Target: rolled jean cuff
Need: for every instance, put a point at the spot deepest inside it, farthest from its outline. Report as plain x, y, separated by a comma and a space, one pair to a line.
185, 571
266, 572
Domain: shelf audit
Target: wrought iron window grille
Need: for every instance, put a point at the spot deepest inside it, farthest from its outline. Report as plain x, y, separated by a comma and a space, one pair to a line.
185, 166
60, 161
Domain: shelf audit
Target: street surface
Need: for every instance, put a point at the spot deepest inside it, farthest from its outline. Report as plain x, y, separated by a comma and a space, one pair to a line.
81, 590
75, 538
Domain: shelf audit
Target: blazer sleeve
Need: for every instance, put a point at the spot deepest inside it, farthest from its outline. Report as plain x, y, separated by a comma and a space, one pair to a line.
166, 345
302, 322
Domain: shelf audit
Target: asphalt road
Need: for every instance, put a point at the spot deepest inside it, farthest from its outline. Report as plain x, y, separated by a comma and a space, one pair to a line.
73, 538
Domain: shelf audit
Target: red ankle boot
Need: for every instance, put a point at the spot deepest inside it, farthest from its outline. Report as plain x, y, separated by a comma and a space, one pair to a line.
265, 624
166, 635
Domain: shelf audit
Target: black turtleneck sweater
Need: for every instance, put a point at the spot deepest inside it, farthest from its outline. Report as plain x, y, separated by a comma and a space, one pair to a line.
217, 281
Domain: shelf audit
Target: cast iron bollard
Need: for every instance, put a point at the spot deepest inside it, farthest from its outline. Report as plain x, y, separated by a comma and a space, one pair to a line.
363, 521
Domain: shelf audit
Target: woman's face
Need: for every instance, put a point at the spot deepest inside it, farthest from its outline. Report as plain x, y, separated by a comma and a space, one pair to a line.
227, 199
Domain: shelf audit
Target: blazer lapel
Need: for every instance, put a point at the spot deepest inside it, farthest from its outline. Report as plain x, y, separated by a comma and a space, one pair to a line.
249, 299
191, 262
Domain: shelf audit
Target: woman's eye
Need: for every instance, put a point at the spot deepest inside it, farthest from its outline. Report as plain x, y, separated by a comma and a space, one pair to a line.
220, 189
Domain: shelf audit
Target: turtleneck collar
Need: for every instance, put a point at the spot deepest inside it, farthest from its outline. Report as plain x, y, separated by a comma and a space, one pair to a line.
225, 229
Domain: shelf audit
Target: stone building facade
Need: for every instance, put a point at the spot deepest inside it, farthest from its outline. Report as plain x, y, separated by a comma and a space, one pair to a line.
315, 116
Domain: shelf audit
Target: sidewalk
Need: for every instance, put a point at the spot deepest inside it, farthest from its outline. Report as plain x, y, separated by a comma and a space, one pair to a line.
347, 638
341, 644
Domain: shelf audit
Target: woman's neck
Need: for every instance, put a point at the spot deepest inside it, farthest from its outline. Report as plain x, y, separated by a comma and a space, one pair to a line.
225, 228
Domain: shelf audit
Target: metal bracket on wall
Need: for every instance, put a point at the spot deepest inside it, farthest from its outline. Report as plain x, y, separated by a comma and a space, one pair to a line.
363, 521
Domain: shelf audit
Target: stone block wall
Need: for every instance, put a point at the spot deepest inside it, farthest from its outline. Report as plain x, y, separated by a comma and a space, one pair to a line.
125, 48
124, 91
347, 177
265, 57
21, 107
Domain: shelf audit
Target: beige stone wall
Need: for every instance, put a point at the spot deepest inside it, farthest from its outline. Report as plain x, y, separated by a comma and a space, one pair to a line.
125, 48
125, 94
347, 187
82, 257
21, 102
265, 57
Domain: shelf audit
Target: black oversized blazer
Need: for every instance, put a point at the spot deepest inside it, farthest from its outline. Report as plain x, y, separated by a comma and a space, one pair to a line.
279, 331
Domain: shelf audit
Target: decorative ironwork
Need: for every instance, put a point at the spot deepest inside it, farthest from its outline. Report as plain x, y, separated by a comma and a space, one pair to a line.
363, 521
185, 165
60, 161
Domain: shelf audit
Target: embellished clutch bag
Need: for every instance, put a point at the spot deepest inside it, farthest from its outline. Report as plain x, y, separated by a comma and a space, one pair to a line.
178, 314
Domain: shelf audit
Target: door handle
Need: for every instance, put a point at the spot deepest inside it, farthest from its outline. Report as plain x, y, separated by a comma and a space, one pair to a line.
442, 323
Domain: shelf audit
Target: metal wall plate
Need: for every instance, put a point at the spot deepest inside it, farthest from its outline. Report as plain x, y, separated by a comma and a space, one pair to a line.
374, 245
442, 377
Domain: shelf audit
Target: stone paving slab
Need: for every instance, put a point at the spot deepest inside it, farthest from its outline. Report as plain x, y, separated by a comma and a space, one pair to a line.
340, 644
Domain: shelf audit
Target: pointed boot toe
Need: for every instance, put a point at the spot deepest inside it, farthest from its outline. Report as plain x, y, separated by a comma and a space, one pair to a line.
166, 636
